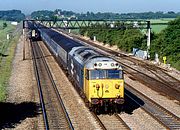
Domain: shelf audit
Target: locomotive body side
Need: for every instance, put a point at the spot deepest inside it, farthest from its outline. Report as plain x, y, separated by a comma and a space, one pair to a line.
59, 45
48, 41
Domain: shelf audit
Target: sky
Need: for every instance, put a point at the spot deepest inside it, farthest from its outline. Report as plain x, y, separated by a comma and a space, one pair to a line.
82, 6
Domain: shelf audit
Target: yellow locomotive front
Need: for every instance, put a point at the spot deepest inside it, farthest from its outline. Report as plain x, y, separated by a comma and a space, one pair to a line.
104, 83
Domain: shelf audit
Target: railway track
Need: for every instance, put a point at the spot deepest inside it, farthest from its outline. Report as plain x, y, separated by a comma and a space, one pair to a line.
163, 116
160, 74
111, 122
164, 77
54, 112
159, 86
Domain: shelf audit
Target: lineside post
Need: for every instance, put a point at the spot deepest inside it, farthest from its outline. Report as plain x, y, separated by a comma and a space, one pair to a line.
23, 44
148, 38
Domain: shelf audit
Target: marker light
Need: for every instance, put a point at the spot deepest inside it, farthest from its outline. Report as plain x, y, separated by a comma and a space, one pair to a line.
117, 86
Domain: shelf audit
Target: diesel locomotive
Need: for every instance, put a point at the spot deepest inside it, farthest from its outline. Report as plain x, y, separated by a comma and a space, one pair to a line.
100, 78
33, 33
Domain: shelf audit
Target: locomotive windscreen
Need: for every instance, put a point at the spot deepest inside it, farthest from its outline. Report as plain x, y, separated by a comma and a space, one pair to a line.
105, 74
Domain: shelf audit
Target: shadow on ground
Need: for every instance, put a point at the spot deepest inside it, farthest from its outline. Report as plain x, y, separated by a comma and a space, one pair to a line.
13, 113
130, 105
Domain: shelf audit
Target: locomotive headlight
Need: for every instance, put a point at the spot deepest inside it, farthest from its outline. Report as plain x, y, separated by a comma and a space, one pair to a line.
106, 86
117, 86
112, 64
95, 64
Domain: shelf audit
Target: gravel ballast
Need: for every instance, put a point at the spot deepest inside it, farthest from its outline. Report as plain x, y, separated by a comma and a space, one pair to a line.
22, 92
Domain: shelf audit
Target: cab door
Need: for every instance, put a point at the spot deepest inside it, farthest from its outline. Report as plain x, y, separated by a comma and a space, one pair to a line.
86, 83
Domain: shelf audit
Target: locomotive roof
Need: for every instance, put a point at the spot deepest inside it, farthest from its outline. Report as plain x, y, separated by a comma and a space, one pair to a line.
66, 43
83, 54
102, 63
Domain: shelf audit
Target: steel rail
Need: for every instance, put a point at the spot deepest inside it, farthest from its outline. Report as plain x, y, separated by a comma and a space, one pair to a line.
99, 121
46, 124
56, 90
124, 123
159, 113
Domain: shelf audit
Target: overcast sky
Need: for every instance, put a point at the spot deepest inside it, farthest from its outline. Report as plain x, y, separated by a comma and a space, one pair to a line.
117, 6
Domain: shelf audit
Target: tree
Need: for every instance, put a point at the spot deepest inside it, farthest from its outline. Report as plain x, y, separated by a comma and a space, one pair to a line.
167, 43
12, 15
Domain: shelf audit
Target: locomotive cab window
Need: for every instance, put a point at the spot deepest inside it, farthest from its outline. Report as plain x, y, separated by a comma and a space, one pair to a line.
114, 74
97, 74
105, 74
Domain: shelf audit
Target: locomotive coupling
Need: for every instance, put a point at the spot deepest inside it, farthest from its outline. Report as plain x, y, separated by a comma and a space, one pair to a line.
95, 101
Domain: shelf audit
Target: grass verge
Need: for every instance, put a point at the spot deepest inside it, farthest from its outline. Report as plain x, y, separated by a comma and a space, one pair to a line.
5, 67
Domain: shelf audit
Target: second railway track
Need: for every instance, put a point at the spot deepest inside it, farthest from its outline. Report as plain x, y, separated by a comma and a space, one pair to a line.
111, 122
163, 116
55, 115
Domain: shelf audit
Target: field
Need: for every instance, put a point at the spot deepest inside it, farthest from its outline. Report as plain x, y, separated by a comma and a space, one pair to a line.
155, 28
7, 48
162, 20
159, 28
4, 32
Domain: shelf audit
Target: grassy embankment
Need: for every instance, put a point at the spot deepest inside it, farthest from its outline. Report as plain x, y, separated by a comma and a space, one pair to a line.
7, 49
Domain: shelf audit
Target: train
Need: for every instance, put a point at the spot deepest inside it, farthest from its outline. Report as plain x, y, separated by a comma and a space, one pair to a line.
34, 33
98, 77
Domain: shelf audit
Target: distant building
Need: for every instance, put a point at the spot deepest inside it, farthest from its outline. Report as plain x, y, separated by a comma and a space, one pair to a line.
14, 23
135, 24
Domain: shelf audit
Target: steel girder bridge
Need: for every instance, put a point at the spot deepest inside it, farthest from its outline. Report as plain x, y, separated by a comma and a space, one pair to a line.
92, 24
